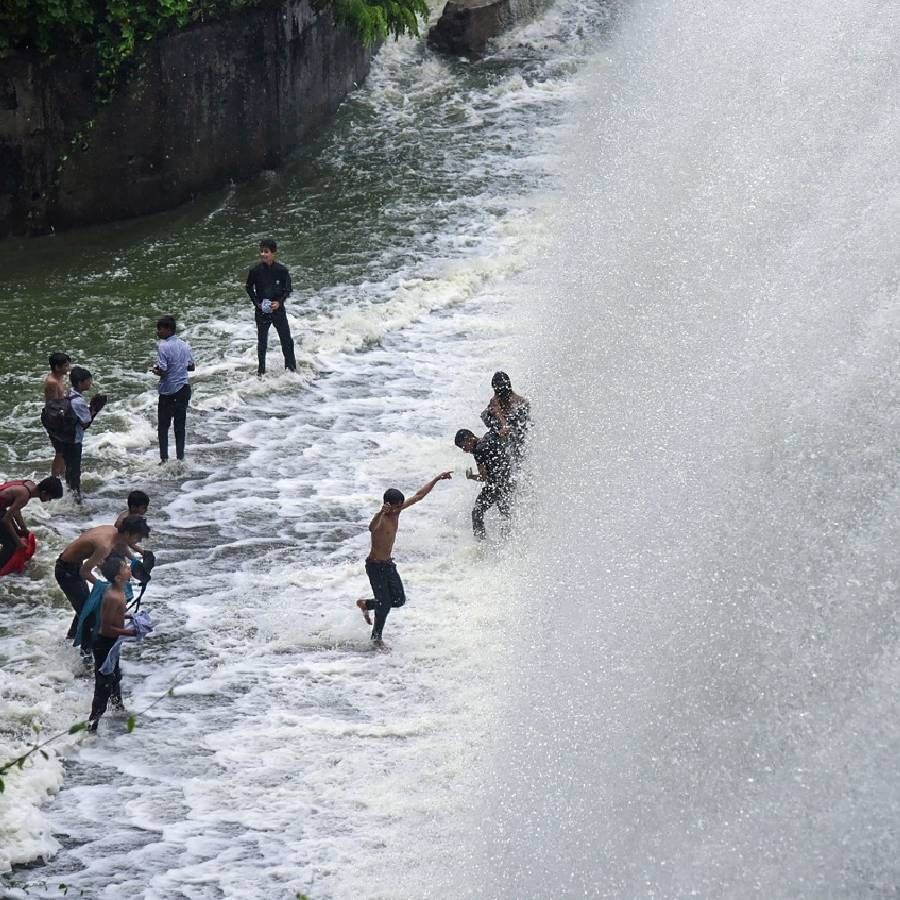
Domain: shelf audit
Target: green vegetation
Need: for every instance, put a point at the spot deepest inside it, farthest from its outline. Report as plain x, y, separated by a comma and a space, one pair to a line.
376, 20
113, 30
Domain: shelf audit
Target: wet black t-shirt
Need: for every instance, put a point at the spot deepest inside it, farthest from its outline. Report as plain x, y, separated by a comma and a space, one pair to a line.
491, 454
268, 283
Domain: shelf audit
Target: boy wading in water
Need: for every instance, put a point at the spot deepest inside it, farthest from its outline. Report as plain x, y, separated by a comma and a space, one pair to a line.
112, 626
383, 576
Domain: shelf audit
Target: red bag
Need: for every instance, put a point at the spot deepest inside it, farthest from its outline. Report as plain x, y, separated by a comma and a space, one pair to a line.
16, 563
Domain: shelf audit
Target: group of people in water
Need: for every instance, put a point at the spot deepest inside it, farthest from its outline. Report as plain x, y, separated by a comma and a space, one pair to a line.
498, 455
101, 604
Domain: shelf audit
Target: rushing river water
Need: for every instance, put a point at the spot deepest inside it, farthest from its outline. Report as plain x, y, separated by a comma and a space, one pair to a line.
678, 232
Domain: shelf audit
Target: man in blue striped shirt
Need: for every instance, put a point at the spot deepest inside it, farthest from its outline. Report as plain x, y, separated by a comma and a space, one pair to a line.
174, 361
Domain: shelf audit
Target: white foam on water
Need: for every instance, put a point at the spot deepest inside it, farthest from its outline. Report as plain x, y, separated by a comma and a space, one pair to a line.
291, 758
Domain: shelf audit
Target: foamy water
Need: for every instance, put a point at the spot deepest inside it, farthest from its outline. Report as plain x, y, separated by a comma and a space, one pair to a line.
290, 757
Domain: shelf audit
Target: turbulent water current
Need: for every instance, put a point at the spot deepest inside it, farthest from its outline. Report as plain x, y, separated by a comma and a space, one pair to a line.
679, 673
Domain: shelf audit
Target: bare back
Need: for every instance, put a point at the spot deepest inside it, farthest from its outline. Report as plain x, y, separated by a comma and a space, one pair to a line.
54, 387
95, 542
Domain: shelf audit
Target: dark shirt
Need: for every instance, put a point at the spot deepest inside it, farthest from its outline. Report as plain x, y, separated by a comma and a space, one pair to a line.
490, 454
268, 283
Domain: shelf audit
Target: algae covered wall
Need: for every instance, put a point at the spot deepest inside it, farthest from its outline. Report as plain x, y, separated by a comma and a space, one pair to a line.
216, 102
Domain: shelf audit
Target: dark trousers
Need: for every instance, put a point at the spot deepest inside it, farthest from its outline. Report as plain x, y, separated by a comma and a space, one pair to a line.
69, 578
72, 458
492, 494
8, 543
172, 407
388, 590
282, 326
105, 686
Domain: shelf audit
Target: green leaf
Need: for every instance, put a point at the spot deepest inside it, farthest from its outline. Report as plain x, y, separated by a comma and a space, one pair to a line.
44, 754
129, 725
78, 726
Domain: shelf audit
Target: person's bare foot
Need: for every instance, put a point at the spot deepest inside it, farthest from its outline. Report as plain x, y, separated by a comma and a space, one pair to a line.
362, 605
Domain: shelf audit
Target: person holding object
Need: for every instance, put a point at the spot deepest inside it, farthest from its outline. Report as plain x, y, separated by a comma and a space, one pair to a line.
55, 399
14, 496
386, 584
75, 566
117, 572
85, 412
508, 414
268, 285
494, 469
173, 362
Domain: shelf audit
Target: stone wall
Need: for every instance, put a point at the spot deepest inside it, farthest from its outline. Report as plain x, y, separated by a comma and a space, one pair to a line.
466, 26
216, 102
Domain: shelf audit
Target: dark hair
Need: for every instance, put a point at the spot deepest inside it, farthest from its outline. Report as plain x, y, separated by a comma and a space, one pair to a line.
138, 498
59, 359
79, 376
501, 382
462, 436
167, 322
268, 244
51, 486
135, 525
393, 496
110, 566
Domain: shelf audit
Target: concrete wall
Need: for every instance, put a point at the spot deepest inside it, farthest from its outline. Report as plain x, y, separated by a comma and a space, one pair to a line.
213, 103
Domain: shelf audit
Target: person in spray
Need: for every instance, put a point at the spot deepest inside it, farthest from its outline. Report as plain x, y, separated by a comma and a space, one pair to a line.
268, 286
117, 571
383, 576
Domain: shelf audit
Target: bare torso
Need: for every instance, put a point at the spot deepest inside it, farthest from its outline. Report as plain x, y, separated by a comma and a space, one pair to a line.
112, 619
383, 536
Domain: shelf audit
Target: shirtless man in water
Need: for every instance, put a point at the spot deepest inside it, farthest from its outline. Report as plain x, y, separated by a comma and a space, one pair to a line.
386, 584
76, 564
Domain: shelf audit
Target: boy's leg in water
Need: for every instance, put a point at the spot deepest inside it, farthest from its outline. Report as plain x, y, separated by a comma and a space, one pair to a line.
103, 684
382, 602
483, 502
365, 605
164, 411
283, 327
68, 577
262, 342
182, 398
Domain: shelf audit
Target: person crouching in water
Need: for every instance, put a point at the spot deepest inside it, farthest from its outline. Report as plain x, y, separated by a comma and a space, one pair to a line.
117, 571
383, 576
494, 469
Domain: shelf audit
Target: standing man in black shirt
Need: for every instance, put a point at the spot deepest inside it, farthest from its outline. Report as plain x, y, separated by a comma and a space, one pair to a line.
268, 285
494, 469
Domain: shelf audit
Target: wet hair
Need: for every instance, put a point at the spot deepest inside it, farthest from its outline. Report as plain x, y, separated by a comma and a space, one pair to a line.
58, 359
501, 383
51, 486
138, 498
462, 436
393, 496
167, 322
135, 525
268, 244
110, 567
79, 376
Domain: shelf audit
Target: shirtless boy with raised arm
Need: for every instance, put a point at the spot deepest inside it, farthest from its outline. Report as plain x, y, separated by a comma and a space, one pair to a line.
386, 584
